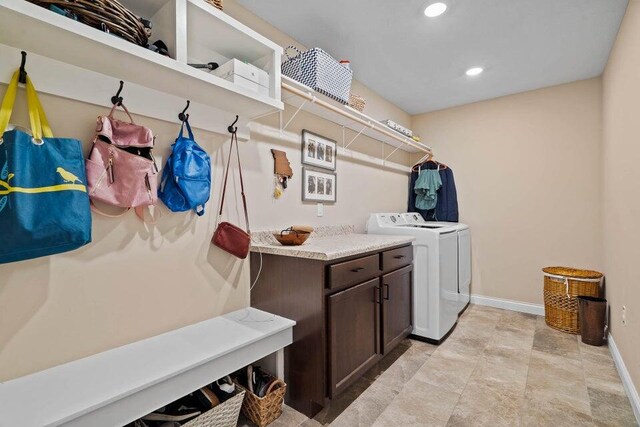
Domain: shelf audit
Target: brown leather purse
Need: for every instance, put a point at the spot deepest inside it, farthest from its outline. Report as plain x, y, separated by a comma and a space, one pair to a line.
227, 236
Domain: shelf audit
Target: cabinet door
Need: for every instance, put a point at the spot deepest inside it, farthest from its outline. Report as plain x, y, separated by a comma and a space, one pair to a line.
396, 307
354, 333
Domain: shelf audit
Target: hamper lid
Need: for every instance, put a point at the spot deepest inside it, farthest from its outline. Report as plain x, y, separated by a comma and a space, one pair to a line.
573, 272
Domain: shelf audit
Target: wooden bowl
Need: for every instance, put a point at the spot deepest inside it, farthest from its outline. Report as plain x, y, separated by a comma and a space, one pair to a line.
291, 238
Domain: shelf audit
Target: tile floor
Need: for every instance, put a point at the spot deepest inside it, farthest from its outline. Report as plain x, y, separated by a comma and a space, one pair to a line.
498, 368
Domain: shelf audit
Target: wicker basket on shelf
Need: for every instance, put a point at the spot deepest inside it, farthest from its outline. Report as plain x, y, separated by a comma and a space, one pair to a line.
562, 286
106, 15
357, 102
224, 415
264, 410
217, 3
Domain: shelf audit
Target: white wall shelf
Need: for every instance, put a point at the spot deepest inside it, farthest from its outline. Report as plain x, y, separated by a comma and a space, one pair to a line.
185, 25
115, 387
306, 99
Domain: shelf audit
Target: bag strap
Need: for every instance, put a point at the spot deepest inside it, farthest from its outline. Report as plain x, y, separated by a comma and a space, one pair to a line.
36, 114
95, 209
138, 210
7, 102
39, 124
189, 132
234, 139
113, 109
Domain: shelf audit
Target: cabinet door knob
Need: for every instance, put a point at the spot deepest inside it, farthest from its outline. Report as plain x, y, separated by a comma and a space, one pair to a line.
386, 287
377, 295
355, 270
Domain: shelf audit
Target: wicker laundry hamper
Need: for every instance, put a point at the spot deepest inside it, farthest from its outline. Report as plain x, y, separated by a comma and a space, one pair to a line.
562, 286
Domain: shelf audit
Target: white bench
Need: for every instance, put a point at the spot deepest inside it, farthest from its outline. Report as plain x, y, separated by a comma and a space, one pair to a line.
118, 386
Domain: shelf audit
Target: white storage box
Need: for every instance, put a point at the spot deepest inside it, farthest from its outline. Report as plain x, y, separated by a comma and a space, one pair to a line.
244, 75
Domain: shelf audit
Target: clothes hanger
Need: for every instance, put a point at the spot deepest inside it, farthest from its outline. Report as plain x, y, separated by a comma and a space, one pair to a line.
425, 159
441, 166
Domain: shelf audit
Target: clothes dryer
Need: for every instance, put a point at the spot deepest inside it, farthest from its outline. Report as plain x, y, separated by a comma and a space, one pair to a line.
436, 296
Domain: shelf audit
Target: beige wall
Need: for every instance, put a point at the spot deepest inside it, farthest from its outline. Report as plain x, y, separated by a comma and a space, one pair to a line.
136, 281
621, 195
528, 173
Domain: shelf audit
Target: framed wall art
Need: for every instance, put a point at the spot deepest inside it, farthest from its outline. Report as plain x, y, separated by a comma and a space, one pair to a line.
318, 151
318, 186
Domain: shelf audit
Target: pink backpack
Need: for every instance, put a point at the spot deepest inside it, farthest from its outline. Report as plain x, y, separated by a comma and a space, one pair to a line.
121, 170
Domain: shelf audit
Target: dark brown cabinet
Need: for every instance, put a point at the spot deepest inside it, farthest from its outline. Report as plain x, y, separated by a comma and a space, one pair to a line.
354, 333
349, 312
396, 307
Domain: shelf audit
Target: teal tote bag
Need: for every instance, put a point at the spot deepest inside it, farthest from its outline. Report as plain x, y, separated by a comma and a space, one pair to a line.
44, 204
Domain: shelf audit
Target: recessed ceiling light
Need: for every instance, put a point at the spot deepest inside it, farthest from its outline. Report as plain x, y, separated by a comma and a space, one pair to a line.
435, 9
474, 71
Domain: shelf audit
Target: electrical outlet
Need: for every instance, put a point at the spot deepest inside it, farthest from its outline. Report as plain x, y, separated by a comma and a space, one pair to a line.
320, 209
624, 315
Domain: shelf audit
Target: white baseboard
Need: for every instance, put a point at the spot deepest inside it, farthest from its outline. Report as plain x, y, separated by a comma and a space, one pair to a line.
507, 304
629, 387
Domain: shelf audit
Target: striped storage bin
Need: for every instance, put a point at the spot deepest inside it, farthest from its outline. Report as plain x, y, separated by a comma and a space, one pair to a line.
318, 70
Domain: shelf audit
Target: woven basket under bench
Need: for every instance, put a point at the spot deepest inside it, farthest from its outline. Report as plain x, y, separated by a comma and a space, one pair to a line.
224, 415
562, 286
264, 410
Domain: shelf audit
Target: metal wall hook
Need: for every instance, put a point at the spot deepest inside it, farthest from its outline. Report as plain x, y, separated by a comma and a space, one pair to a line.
231, 128
182, 116
22, 78
117, 99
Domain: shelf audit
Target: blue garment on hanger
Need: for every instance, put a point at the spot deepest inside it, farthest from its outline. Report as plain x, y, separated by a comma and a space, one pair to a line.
426, 188
447, 207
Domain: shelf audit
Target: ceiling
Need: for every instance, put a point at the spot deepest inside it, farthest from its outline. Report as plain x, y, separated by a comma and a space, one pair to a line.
419, 63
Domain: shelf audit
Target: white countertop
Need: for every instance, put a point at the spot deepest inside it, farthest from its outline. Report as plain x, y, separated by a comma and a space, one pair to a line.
332, 247
148, 373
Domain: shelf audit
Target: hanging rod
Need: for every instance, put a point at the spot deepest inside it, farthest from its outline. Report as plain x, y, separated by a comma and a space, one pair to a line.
373, 125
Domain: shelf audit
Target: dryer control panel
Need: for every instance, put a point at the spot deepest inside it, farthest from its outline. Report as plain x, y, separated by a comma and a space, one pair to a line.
413, 218
387, 220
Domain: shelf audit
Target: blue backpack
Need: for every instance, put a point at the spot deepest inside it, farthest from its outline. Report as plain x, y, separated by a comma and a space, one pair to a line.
186, 178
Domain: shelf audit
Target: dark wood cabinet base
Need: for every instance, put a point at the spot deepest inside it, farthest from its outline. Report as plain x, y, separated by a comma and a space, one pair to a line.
346, 317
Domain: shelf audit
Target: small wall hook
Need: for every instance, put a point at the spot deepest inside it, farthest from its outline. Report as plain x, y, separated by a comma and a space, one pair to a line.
22, 77
231, 128
182, 116
117, 99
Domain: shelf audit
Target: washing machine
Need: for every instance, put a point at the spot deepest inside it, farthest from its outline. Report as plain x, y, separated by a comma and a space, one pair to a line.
440, 289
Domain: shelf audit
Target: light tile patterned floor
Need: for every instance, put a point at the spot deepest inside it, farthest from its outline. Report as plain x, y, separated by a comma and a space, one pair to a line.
498, 368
